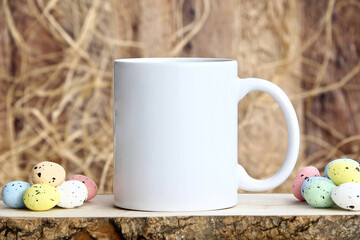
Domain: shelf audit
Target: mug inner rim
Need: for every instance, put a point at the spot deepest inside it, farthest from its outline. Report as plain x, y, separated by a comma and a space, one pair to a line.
172, 60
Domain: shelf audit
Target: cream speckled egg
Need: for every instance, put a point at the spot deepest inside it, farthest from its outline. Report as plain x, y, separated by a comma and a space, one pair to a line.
41, 197
72, 194
343, 171
347, 196
48, 173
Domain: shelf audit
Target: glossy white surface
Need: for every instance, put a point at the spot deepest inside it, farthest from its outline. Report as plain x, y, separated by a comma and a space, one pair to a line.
175, 134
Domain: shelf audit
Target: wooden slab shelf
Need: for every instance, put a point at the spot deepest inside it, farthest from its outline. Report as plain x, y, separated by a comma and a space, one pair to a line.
256, 216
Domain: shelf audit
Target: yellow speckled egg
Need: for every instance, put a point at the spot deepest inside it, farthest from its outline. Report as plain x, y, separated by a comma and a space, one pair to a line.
41, 197
343, 171
49, 173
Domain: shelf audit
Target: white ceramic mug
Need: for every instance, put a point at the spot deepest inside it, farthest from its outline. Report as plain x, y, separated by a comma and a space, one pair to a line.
175, 134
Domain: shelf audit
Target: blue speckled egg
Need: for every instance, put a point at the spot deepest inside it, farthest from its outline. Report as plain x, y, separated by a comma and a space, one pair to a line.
343, 171
318, 194
312, 179
12, 194
339, 160
347, 196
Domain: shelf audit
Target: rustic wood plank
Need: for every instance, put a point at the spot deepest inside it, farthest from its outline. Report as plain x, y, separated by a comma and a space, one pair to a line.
59, 37
257, 216
331, 116
244, 30
6, 69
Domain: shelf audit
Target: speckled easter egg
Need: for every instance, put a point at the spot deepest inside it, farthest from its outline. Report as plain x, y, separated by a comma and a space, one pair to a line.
343, 171
312, 179
72, 194
304, 174
339, 160
347, 196
41, 197
318, 194
48, 173
12, 194
89, 183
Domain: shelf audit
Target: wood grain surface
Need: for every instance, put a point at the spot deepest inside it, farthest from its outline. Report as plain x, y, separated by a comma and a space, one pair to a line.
56, 74
257, 216
331, 65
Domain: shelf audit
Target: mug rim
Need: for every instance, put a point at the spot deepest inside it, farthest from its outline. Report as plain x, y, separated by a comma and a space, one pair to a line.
172, 60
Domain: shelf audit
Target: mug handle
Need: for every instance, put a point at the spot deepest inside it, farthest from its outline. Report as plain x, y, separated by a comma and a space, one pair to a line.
245, 182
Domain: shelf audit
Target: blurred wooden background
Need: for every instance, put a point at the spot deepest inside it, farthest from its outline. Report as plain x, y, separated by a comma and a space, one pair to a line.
56, 75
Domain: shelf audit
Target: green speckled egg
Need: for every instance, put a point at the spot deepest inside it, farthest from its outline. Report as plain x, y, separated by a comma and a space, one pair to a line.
343, 171
318, 194
41, 197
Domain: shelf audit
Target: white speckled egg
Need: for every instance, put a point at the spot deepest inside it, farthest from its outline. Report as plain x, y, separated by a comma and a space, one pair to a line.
48, 173
347, 196
72, 194
41, 197
89, 183
12, 194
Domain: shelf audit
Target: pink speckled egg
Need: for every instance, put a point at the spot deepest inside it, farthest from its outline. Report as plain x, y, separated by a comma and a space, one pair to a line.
304, 174
90, 184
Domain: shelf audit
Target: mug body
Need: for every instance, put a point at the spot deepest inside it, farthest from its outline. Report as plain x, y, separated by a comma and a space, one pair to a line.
175, 134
